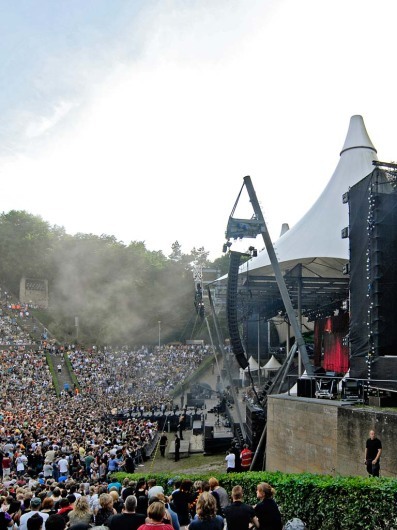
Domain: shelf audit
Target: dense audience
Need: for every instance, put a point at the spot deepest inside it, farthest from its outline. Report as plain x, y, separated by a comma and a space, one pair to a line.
57, 455
135, 378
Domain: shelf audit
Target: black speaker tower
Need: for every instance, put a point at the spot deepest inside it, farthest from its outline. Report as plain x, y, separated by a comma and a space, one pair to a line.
231, 310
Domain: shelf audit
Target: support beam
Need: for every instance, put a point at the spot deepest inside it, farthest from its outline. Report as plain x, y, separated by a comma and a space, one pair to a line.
279, 276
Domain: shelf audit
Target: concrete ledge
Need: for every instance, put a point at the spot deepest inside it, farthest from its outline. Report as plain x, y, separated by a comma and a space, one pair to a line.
326, 437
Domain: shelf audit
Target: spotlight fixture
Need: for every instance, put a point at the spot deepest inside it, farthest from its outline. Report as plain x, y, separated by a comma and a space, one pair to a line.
226, 246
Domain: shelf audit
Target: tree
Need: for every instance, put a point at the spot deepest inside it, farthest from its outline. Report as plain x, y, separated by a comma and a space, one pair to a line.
200, 257
176, 252
26, 241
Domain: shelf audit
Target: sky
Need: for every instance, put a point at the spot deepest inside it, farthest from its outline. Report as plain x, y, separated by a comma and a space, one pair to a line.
140, 118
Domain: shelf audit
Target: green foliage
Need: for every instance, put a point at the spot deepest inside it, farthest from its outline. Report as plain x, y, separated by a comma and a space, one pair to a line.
222, 264
25, 246
119, 292
322, 502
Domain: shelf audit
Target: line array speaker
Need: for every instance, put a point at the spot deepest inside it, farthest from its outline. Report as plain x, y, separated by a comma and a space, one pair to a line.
231, 310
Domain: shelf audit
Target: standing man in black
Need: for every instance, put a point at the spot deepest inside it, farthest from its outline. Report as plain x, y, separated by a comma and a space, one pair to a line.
373, 450
181, 424
177, 447
239, 515
163, 444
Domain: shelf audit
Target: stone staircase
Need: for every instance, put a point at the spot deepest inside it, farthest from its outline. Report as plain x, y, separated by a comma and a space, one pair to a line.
35, 329
64, 379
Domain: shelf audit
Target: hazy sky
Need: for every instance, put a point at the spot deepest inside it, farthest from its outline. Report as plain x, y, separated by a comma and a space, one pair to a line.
140, 118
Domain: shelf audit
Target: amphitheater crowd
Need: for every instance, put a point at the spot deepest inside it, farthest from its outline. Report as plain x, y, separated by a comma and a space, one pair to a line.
136, 379
57, 455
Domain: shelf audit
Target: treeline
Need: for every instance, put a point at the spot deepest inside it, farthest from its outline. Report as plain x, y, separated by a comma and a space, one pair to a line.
118, 292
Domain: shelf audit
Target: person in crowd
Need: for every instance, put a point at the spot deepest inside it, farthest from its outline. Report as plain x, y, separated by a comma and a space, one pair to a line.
142, 496
266, 510
238, 515
246, 456
65, 507
181, 501
237, 459
106, 509
206, 517
35, 522
128, 519
220, 492
156, 514
35, 505
6, 521
170, 514
153, 488
118, 503
81, 512
128, 489
230, 460
55, 522
197, 490
47, 506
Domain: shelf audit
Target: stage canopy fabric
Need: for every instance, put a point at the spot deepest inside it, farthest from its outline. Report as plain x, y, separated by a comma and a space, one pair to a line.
315, 241
272, 364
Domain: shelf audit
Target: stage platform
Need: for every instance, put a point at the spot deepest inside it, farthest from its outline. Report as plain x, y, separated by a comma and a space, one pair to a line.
191, 444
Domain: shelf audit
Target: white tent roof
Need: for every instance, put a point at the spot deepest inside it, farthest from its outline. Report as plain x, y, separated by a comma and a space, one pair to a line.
316, 239
272, 364
253, 365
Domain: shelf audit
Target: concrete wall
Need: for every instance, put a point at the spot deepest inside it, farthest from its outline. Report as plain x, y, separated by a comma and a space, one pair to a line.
321, 436
34, 291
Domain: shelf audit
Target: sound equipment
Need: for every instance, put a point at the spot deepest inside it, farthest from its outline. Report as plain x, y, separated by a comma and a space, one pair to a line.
373, 267
306, 387
231, 310
255, 423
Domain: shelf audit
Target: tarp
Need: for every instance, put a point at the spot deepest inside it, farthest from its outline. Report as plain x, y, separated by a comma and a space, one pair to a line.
316, 239
272, 364
253, 365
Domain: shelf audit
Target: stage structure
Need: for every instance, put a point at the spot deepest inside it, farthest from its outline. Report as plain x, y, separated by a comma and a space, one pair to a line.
319, 278
313, 259
239, 229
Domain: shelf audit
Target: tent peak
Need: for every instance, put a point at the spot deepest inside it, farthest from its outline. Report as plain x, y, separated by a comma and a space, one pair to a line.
357, 136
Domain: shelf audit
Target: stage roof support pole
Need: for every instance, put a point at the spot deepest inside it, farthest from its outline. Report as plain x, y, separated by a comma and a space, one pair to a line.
300, 318
279, 277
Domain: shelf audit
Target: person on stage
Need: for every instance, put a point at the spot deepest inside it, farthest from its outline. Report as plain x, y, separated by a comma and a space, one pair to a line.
177, 447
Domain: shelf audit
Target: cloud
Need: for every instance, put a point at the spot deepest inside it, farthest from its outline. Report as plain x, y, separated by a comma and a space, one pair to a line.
43, 124
169, 114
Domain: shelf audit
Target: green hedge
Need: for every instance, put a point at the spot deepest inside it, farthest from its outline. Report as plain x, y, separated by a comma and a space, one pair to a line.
322, 502
55, 381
